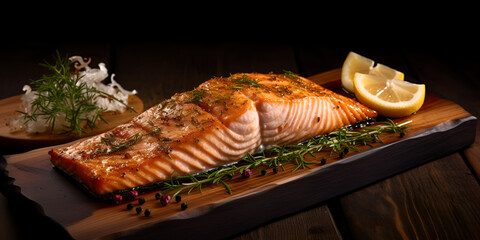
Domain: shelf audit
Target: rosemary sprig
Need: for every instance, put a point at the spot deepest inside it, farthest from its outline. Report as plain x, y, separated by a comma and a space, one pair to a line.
197, 96
341, 142
114, 146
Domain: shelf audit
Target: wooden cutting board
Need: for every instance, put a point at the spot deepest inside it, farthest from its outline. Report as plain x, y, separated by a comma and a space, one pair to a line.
438, 128
21, 140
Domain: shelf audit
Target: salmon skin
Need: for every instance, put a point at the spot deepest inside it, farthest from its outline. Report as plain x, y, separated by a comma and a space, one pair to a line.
215, 124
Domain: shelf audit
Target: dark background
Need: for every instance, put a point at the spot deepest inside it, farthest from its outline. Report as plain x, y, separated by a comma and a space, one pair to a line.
166, 67
160, 58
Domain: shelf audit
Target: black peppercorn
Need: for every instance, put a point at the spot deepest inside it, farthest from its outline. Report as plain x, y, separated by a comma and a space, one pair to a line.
275, 170
141, 201
139, 210
184, 206
129, 206
178, 198
344, 152
158, 196
263, 172
323, 161
147, 212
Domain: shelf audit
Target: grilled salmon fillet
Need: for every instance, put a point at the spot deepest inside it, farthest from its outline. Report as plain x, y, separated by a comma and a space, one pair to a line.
215, 124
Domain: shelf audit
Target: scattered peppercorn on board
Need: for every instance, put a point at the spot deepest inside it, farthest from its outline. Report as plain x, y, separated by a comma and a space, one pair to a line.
21, 140
438, 128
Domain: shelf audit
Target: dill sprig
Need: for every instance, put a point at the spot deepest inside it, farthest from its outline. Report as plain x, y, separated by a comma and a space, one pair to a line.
290, 74
61, 95
338, 142
245, 80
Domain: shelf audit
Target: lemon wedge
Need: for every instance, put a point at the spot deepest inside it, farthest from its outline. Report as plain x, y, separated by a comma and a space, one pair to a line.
355, 63
389, 97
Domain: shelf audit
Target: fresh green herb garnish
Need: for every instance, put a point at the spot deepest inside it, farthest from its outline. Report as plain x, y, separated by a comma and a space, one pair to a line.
340, 142
109, 140
197, 96
244, 80
290, 74
61, 95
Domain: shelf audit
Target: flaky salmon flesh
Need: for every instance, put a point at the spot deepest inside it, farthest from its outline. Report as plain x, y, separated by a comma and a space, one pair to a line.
215, 124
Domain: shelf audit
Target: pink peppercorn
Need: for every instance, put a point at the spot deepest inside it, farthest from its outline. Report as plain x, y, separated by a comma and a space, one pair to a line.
247, 173
117, 198
165, 199
132, 194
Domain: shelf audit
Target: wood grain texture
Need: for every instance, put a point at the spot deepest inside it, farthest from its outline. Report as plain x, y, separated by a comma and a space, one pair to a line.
269, 197
456, 79
441, 207
21, 140
298, 226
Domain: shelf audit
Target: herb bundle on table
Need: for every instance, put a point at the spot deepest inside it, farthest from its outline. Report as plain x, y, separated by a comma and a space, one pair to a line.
68, 100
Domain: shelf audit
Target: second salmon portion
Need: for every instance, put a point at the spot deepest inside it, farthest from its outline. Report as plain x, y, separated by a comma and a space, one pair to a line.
215, 124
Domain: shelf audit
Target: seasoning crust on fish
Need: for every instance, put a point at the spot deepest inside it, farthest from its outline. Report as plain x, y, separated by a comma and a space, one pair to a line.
217, 123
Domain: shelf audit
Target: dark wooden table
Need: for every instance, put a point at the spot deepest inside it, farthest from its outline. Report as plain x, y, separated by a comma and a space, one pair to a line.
437, 200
